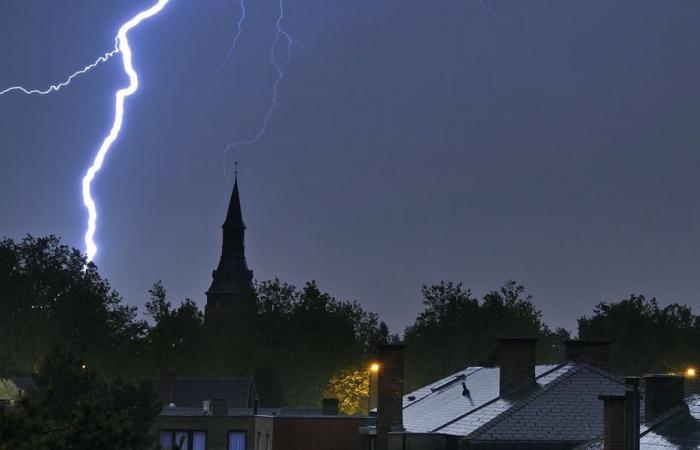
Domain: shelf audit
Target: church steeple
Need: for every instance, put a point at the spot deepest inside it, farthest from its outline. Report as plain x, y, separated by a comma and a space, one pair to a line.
234, 217
232, 280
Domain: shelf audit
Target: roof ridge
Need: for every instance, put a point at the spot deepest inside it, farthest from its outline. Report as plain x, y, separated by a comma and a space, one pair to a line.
520, 404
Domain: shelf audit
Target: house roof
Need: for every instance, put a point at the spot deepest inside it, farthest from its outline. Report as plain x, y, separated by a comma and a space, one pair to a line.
192, 392
281, 412
678, 429
197, 412
563, 407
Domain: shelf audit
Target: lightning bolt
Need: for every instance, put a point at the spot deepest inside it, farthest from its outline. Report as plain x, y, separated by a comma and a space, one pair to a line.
234, 43
120, 97
121, 47
485, 7
59, 86
281, 35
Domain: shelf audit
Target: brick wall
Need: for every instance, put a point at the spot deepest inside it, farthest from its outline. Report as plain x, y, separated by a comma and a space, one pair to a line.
389, 393
613, 421
217, 428
318, 433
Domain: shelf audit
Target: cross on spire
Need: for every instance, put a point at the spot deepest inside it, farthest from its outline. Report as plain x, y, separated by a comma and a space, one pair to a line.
235, 169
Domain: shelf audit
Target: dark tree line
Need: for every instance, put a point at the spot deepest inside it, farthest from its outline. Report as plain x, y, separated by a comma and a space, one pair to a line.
646, 337
293, 341
457, 330
46, 298
74, 408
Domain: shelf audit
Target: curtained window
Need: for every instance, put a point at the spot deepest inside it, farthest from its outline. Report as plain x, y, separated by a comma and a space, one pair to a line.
236, 440
182, 440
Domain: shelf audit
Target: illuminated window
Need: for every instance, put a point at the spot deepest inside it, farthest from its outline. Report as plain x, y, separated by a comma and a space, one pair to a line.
236, 440
182, 440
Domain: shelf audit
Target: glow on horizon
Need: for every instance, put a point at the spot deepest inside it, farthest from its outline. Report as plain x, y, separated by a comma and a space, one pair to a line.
124, 49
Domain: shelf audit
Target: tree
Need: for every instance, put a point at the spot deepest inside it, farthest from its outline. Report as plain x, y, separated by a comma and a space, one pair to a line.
457, 330
305, 337
74, 408
351, 388
49, 294
176, 341
646, 338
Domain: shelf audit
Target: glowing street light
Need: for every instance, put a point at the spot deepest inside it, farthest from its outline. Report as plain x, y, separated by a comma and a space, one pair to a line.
690, 372
374, 368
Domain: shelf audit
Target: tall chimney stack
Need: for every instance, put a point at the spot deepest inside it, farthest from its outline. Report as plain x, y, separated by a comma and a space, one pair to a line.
389, 393
516, 360
613, 422
621, 418
593, 352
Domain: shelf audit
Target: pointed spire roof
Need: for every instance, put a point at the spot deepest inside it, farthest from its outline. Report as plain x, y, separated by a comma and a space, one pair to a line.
234, 217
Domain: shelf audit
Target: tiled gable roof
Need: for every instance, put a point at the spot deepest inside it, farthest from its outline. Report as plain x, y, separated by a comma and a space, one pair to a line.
442, 402
567, 409
564, 407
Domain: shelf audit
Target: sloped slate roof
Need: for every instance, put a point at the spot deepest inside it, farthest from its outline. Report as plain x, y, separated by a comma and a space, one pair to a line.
442, 402
679, 429
564, 407
191, 392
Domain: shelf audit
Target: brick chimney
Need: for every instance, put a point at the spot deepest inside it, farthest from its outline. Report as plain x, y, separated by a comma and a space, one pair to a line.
389, 393
516, 360
621, 418
662, 393
330, 407
613, 422
593, 352
219, 407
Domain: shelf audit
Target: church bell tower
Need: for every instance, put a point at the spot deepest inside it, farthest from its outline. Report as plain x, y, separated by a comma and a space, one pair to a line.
232, 281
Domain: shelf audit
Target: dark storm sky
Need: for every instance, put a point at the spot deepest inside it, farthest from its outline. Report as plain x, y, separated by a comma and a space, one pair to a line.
422, 140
